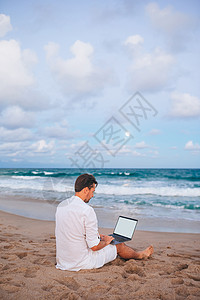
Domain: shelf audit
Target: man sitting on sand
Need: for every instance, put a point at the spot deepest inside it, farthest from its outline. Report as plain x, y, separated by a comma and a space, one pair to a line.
78, 243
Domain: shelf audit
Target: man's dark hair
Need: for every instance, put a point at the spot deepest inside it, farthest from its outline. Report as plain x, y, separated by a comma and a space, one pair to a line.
85, 180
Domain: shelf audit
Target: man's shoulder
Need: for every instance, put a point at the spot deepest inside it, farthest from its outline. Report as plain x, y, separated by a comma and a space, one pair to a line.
76, 202
65, 202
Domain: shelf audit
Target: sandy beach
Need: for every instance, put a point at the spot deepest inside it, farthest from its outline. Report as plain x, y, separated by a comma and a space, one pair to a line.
28, 270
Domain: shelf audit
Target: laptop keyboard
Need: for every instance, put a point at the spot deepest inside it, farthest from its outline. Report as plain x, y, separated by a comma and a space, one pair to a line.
119, 239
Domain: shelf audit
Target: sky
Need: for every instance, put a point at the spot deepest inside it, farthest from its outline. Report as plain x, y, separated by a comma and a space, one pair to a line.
100, 84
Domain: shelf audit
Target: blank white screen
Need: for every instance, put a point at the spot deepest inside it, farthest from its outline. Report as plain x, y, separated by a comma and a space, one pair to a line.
125, 227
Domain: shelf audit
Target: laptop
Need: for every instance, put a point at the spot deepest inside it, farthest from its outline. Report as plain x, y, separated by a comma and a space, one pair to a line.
124, 230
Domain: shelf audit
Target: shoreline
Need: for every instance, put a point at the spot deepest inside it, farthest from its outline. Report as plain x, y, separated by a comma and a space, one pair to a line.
40, 226
28, 257
41, 209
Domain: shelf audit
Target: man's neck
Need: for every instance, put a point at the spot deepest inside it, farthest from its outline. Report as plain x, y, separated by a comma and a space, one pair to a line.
80, 196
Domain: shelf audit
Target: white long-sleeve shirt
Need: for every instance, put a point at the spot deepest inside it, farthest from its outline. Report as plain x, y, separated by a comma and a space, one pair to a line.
77, 232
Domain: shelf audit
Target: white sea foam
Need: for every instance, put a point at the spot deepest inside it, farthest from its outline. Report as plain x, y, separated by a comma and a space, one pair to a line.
160, 191
39, 183
24, 177
48, 173
61, 185
36, 183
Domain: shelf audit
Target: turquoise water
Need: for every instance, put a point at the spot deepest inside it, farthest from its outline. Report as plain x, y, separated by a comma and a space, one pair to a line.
146, 193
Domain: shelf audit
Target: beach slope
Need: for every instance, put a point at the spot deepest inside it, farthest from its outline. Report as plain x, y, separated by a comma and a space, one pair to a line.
27, 266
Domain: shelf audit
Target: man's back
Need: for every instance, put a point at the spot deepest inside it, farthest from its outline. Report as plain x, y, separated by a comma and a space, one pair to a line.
76, 232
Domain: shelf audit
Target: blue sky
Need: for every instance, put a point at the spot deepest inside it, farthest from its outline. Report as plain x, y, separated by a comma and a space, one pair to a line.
67, 68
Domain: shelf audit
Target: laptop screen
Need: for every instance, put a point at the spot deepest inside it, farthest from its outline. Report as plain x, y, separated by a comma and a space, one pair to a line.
125, 227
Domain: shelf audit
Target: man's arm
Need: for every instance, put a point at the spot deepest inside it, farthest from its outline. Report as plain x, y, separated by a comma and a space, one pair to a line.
105, 240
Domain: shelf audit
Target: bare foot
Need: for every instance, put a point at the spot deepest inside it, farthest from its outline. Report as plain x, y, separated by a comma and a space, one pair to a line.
147, 252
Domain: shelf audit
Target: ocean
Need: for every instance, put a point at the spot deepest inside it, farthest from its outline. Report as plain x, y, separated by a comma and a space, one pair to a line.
161, 199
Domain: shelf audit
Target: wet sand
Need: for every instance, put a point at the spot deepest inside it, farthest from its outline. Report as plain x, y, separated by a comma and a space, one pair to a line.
27, 266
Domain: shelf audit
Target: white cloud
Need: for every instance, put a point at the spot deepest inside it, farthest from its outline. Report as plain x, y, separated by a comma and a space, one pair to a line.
149, 71
15, 135
76, 146
126, 150
17, 81
184, 105
29, 58
141, 145
191, 146
166, 19
26, 149
17, 150
42, 146
14, 117
173, 24
15, 74
10, 146
77, 76
136, 153
5, 25
134, 40
152, 71
59, 131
